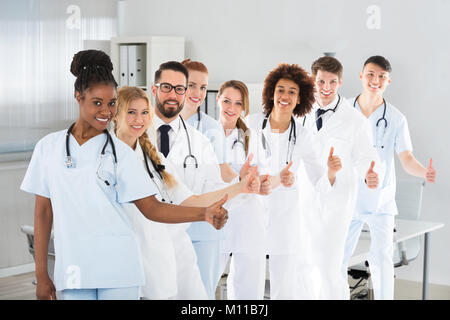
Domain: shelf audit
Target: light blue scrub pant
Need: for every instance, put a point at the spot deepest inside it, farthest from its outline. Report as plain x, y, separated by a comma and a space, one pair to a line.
209, 260
130, 293
380, 259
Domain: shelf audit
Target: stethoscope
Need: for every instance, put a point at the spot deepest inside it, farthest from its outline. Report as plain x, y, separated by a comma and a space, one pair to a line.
383, 118
239, 140
158, 168
70, 164
325, 111
292, 134
198, 118
190, 155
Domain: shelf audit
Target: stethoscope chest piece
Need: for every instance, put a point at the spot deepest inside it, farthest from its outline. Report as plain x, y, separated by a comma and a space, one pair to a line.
71, 164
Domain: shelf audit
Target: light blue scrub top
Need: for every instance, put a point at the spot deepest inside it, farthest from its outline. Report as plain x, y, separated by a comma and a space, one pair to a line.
95, 245
213, 130
394, 138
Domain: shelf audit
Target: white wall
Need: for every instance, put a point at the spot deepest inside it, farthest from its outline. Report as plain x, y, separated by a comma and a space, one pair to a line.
246, 39
37, 46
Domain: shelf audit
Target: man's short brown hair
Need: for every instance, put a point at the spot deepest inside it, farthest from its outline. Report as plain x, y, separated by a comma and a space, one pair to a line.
328, 64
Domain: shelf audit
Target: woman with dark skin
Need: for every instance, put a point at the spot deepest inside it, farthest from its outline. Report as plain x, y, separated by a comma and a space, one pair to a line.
97, 256
283, 146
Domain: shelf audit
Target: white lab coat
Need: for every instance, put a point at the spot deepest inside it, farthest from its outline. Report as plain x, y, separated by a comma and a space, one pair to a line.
246, 227
245, 231
205, 178
284, 237
328, 219
164, 251
283, 203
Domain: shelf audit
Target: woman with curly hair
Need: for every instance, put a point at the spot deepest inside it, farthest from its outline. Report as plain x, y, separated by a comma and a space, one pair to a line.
283, 147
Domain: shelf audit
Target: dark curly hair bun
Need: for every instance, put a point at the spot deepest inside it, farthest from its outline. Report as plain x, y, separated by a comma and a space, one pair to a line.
91, 67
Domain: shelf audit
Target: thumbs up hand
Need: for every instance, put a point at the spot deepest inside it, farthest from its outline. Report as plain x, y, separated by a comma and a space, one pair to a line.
246, 167
216, 215
251, 182
287, 178
334, 164
431, 172
265, 186
372, 177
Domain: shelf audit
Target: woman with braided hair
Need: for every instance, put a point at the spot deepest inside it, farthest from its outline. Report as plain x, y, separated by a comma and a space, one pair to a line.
82, 177
170, 262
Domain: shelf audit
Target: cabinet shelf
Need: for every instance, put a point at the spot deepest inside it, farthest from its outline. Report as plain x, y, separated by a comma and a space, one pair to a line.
136, 58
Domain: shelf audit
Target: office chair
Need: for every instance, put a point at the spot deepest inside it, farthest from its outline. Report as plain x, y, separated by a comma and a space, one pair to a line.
29, 232
409, 203
408, 197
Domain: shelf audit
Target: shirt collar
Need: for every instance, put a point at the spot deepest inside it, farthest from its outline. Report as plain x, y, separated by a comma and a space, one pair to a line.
331, 105
233, 135
268, 127
174, 124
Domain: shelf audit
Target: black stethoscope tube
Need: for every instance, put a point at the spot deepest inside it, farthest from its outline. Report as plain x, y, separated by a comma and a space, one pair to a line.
190, 155
292, 132
108, 140
383, 118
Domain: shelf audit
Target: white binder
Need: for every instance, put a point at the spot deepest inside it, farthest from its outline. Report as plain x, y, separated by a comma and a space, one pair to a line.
123, 65
141, 52
132, 65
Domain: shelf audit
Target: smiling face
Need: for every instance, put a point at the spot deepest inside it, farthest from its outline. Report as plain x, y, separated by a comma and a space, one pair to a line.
327, 85
231, 105
374, 79
97, 106
169, 105
286, 96
196, 92
132, 123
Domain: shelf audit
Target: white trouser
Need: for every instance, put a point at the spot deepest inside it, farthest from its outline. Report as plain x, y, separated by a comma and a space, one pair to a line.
319, 282
189, 282
283, 276
209, 254
247, 277
380, 260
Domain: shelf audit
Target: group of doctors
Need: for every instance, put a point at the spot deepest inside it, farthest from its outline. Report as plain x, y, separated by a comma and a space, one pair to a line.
154, 207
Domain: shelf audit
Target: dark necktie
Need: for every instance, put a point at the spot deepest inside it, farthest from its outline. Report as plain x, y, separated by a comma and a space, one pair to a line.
164, 130
319, 112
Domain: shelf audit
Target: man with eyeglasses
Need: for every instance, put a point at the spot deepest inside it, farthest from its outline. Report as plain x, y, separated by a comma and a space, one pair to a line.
197, 167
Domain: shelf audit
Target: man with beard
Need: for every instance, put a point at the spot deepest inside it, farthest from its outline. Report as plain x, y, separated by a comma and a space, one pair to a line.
195, 163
